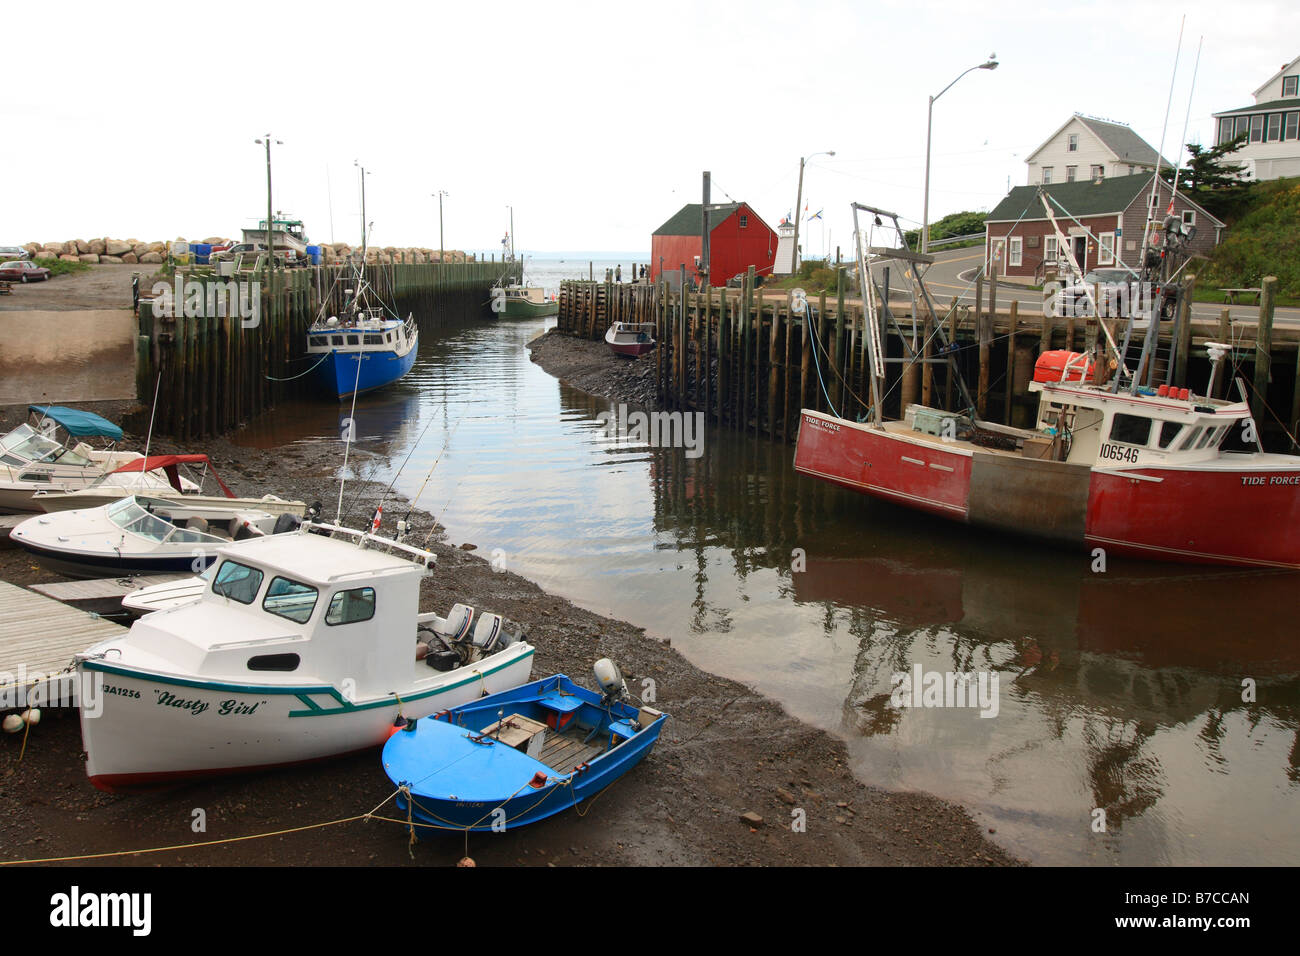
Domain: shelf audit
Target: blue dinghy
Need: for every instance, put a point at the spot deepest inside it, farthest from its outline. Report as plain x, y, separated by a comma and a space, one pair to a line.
519, 756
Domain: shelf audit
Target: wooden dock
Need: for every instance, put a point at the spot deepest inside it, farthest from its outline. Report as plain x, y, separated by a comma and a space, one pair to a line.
7, 524
749, 361
103, 595
38, 638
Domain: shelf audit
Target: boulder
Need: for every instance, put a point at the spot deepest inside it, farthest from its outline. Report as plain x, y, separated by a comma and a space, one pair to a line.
59, 248
89, 257
110, 260
49, 253
158, 247
130, 258
32, 248
116, 247
139, 248
67, 257
96, 246
213, 241
82, 245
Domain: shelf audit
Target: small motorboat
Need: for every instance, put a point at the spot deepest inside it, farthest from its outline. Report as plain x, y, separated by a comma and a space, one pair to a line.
519, 756
301, 646
142, 534
521, 302
159, 476
631, 338
32, 458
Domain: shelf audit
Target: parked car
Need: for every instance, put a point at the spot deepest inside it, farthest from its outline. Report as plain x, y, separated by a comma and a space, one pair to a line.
1072, 300
21, 270
250, 249
9, 253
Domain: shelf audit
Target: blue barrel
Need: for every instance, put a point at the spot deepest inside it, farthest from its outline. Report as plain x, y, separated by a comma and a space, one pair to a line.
201, 250
313, 253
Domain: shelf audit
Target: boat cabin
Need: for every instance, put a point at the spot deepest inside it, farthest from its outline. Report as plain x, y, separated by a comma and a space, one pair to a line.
299, 606
364, 331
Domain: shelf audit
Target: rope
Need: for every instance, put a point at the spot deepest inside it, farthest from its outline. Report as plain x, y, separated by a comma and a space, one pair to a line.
272, 378
191, 846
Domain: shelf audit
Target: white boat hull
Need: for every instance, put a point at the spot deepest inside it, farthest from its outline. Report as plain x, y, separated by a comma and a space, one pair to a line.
147, 729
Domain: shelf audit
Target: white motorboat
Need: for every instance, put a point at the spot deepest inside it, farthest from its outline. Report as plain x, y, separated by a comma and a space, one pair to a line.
32, 458
144, 535
303, 646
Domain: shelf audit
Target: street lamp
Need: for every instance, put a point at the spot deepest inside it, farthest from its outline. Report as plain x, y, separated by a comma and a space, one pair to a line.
798, 202
442, 252
270, 243
992, 64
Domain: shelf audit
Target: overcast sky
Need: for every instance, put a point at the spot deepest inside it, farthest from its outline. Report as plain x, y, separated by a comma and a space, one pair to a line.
594, 121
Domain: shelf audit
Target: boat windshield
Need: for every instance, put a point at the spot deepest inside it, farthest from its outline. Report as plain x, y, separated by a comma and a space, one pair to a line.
24, 442
236, 581
291, 599
129, 515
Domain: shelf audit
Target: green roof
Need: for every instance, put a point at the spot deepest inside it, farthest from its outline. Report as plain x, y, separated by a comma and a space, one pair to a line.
1082, 197
1273, 106
689, 220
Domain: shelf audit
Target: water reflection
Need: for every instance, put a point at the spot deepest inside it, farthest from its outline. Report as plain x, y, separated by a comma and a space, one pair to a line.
1120, 691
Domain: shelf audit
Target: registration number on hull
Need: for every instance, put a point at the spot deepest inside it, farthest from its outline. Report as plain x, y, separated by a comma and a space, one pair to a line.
1109, 452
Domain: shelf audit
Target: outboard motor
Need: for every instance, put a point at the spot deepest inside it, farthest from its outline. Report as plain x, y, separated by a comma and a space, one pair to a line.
610, 680
286, 522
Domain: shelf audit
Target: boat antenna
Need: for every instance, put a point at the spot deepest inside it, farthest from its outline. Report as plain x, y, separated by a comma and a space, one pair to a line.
152, 412
1160, 153
1178, 170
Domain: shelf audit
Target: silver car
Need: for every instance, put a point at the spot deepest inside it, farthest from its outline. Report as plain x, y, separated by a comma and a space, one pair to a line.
8, 253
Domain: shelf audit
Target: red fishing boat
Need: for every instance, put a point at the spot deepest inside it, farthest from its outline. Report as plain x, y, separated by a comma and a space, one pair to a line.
1139, 469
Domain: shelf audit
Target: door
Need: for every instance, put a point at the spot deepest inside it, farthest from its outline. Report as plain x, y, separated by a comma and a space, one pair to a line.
1080, 250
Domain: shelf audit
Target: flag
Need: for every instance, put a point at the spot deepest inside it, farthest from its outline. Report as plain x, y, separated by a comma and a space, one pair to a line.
816, 215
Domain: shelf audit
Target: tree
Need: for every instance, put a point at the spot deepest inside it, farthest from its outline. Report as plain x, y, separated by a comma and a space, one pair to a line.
1214, 181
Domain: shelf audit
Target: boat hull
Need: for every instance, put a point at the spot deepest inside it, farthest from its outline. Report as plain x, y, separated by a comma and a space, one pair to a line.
339, 376
1244, 517
497, 794
521, 309
151, 729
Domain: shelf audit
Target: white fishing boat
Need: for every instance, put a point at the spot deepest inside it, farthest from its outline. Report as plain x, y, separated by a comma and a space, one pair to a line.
302, 647
33, 458
142, 534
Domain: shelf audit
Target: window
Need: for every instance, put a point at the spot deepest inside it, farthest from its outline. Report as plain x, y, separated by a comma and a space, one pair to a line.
1274, 127
291, 599
1189, 217
1047, 175
1289, 84
1070, 172
1131, 170
354, 340
1257, 128
1292, 121
1017, 251
1073, 146
1106, 255
1130, 429
1168, 432
1190, 439
744, 222
1098, 172
1049, 249
374, 340
336, 340
1225, 131
349, 607
237, 581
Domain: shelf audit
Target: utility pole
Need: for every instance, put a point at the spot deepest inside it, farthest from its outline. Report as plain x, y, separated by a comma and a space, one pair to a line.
442, 250
798, 205
704, 237
270, 242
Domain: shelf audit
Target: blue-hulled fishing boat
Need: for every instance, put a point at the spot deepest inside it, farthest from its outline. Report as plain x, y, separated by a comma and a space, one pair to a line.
519, 756
367, 347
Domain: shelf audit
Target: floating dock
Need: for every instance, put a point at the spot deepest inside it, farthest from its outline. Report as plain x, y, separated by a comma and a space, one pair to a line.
38, 638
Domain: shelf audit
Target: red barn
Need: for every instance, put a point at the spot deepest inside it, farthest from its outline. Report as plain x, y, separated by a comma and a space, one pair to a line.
738, 239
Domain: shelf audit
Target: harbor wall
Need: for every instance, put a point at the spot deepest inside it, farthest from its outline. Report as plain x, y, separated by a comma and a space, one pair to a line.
213, 371
749, 362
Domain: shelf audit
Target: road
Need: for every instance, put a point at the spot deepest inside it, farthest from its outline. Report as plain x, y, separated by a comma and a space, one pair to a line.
953, 272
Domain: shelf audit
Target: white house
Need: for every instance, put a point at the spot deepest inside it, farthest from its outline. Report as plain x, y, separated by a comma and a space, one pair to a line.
1272, 125
1087, 148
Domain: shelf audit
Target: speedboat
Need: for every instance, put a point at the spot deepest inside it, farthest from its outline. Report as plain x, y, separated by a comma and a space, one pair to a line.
142, 534
519, 756
33, 459
158, 476
303, 646
630, 338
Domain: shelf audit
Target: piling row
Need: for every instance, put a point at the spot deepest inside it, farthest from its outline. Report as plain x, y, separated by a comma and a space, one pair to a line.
217, 369
750, 361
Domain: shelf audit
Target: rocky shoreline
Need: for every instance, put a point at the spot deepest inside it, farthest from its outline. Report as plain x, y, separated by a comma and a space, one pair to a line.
726, 752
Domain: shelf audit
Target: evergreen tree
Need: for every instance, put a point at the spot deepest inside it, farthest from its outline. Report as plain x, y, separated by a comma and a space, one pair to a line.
1214, 181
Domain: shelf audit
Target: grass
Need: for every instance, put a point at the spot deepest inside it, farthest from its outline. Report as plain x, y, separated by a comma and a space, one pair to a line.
1264, 241
62, 267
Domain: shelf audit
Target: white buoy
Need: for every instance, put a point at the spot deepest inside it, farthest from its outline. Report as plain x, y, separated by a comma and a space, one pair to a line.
32, 716
12, 724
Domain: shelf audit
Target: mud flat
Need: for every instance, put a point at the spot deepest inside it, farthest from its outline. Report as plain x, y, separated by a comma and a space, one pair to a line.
727, 751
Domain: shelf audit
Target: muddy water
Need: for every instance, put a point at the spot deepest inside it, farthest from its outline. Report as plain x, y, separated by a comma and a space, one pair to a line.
1119, 691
